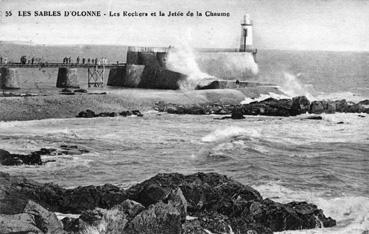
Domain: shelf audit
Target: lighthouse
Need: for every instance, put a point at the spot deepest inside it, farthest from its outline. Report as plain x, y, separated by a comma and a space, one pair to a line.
246, 35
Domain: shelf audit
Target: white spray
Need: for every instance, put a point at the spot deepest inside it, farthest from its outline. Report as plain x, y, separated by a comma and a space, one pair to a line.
182, 59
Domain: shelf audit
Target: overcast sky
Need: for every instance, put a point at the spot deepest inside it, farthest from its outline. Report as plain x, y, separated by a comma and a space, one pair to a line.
278, 24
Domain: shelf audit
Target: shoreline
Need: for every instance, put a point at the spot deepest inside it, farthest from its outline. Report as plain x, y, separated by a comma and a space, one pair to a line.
68, 106
165, 203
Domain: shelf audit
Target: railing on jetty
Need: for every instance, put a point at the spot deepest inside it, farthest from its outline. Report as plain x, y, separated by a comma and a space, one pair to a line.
57, 65
95, 72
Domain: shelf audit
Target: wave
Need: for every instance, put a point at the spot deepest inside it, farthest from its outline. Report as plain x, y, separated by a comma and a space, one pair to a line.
229, 132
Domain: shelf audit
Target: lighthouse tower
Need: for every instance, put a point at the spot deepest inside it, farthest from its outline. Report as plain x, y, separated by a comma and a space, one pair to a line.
246, 35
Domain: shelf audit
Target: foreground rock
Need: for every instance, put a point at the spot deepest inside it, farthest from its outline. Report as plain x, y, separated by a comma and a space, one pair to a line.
34, 158
165, 203
16, 191
91, 114
33, 219
270, 107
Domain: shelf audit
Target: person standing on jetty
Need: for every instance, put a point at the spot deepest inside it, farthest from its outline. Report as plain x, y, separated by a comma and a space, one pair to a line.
83, 60
77, 60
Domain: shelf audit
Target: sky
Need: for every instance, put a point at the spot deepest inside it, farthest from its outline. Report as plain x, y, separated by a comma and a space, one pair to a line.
335, 25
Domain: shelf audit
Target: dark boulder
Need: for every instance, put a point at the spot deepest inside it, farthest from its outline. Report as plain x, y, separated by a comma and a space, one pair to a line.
364, 102
270, 107
208, 83
291, 216
107, 114
100, 220
9, 159
86, 114
80, 91
300, 105
201, 190
34, 158
237, 113
137, 113
329, 107
16, 191
315, 117
316, 107
354, 108
341, 105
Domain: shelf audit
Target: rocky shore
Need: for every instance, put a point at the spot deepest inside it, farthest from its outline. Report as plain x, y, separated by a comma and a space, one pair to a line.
166, 203
35, 157
270, 107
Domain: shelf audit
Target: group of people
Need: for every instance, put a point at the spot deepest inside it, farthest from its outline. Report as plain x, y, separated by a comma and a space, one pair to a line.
96, 61
33, 60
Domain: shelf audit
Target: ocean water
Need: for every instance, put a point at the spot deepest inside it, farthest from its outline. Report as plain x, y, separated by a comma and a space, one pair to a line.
286, 159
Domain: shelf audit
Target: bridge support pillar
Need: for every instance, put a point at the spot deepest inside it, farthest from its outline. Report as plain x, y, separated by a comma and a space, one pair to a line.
9, 78
67, 78
96, 76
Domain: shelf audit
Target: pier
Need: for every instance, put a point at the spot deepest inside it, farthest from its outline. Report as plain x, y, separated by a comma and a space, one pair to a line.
67, 74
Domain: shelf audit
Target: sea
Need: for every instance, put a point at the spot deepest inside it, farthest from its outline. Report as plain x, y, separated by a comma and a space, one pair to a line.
325, 162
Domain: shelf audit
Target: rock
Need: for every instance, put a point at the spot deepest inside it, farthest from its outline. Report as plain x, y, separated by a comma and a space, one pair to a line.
354, 108
34, 158
18, 223
80, 91
137, 113
300, 105
66, 90
209, 222
125, 113
315, 117
75, 225
107, 114
220, 204
91, 114
44, 219
316, 107
178, 200
208, 83
159, 218
33, 219
330, 107
201, 190
237, 113
291, 216
364, 102
269, 106
16, 191
89, 197
9, 159
99, 220
86, 114
341, 105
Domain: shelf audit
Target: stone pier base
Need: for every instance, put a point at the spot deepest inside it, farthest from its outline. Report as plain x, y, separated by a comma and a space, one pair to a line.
67, 78
9, 78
